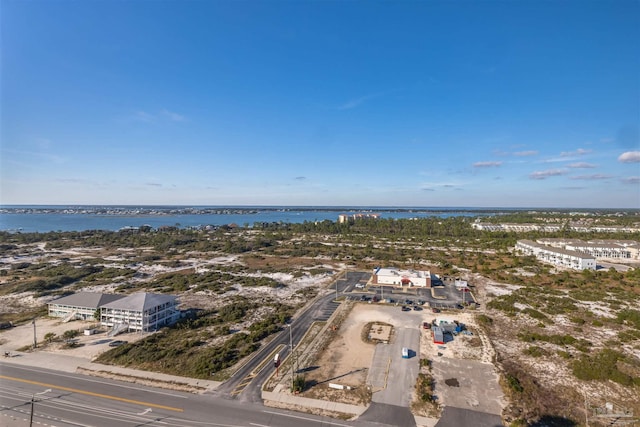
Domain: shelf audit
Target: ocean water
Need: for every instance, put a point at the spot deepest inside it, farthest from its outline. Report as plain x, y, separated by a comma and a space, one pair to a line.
43, 219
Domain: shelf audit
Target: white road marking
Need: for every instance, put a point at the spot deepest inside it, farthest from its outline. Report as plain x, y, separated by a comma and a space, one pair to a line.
307, 419
84, 378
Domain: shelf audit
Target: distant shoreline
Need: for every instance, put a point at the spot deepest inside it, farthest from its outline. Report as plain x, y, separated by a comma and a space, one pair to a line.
131, 210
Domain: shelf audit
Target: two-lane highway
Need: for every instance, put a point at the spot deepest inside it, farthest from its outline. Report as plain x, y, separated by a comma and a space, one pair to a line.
246, 383
63, 399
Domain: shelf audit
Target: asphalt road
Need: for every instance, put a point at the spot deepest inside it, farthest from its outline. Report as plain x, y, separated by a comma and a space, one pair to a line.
63, 400
457, 417
246, 383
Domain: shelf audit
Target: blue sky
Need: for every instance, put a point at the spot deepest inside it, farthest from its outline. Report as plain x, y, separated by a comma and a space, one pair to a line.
456, 103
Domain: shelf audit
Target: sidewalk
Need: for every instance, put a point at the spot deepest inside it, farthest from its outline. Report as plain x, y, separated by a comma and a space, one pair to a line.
65, 363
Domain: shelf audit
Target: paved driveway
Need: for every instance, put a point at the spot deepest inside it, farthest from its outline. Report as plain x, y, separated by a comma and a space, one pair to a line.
457, 417
402, 373
475, 387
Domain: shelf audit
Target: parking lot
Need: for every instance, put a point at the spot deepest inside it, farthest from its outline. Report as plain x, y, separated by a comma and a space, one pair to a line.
401, 373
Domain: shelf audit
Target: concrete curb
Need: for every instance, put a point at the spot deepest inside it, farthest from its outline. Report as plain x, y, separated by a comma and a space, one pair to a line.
146, 377
72, 364
305, 402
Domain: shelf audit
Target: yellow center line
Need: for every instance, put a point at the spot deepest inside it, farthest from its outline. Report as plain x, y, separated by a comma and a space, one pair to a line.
90, 393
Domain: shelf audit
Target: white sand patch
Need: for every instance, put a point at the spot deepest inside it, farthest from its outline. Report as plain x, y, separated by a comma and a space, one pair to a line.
107, 289
562, 320
499, 289
596, 308
16, 303
292, 285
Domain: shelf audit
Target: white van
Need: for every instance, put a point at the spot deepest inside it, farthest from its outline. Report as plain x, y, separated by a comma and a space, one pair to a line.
405, 353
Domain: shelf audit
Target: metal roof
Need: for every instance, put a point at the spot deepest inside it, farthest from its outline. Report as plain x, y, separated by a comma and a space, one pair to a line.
87, 299
140, 301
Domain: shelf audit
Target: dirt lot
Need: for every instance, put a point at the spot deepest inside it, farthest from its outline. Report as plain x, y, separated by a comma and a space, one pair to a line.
87, 346
347, 359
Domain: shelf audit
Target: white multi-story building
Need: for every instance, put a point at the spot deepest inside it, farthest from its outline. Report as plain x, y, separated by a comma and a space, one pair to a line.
562, 257
81, 305
598, 248
397, 277
553, 227
138, 312
351, 218
141, 312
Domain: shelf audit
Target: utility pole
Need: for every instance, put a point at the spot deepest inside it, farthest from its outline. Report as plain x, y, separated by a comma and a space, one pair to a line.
291, 349
35, 341
33, 398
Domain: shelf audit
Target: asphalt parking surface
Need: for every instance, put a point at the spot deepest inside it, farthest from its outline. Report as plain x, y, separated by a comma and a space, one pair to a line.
477, 389
458, 417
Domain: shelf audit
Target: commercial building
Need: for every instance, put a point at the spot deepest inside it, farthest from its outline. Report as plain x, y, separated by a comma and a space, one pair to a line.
398, 277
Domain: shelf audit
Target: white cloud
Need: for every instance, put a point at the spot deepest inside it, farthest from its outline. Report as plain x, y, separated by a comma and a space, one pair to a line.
631, 180
581, 165
53, 158
43, 143
163, 115
630, 157
594, 176
578, 152
174, 117
486, 164
547, 173
353, 103
143, 116
525, 153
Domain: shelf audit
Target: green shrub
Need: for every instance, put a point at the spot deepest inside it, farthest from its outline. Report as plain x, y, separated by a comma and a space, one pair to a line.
299, 384
535, 351
629, 316
536, 315
602, 366
513, 383
484, 320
